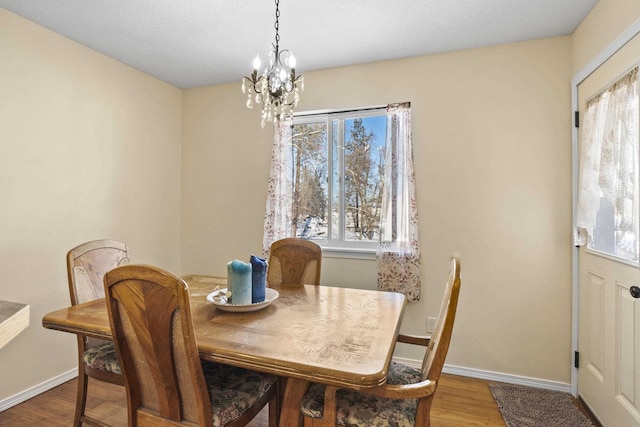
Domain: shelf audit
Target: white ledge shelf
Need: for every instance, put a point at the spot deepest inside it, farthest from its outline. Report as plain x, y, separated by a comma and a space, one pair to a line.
14, 318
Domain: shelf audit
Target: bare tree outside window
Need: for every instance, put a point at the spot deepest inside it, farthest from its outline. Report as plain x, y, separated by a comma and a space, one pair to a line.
310, 181
337, 178
363, 181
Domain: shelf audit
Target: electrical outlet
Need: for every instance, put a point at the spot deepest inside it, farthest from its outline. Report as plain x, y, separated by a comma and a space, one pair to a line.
431, 324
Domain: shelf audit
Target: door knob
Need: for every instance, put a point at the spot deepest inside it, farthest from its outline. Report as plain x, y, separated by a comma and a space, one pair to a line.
635, 291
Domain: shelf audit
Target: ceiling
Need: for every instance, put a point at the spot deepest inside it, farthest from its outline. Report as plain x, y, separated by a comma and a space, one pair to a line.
190, 43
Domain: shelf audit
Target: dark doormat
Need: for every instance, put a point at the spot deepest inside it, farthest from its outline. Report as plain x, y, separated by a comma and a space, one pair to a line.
523, 406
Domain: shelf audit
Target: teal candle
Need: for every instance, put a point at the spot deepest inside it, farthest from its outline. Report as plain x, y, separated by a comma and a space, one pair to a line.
239, 281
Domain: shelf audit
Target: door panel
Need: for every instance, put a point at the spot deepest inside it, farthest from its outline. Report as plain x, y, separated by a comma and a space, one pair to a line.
595, 361
628, 354
609, 341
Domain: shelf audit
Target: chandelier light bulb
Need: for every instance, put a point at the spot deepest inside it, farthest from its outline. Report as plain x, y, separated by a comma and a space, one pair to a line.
256, 62
292, 61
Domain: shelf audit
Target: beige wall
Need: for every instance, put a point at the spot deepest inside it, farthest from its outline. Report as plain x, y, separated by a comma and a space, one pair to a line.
606, 22
491, 132
89, 149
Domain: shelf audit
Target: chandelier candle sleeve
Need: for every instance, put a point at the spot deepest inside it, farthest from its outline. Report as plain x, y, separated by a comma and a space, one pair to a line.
258, 278
239, 281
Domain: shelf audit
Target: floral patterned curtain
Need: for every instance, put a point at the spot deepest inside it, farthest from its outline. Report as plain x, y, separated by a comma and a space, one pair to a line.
398, 255
277, 220
608, 156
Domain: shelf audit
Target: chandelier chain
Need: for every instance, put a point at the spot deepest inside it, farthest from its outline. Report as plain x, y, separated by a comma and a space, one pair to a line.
277, 24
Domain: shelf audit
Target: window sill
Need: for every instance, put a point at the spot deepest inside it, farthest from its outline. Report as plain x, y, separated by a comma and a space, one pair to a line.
350, 253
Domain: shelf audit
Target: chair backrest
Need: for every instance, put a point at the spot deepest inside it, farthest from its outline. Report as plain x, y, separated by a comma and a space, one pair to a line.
294, 261
441, 337
87, 264
154, 337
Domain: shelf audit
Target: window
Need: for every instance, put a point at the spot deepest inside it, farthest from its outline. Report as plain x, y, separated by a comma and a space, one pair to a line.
337, 177
608, 195
346, 180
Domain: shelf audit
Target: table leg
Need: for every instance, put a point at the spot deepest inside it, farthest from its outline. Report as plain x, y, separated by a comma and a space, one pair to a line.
294, 391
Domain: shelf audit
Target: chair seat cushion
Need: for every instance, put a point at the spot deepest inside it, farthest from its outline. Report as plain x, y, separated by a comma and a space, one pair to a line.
102, 357
361, 410
234, 390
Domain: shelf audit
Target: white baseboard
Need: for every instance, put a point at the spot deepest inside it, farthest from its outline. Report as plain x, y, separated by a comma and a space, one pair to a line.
448, 369
27, 394
494, 376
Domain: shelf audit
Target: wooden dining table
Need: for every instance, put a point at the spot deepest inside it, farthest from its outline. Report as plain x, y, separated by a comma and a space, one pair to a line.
337, 336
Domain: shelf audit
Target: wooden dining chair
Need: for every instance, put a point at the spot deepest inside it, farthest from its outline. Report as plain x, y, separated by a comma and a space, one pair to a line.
97, 359
294, 261
406, 398
166, 382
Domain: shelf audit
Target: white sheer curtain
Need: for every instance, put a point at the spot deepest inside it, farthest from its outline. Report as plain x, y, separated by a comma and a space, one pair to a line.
277, 220
398, 255
608, 159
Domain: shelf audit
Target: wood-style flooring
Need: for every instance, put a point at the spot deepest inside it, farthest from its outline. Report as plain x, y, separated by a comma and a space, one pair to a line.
459, 401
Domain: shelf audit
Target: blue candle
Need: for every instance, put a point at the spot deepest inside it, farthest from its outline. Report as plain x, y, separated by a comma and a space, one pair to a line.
239, 281
258, 278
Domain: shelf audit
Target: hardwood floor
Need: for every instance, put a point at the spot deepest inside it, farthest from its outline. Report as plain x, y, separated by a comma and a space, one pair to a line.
459, 401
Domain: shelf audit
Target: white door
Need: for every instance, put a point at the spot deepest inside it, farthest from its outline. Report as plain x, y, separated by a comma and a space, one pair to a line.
609, 291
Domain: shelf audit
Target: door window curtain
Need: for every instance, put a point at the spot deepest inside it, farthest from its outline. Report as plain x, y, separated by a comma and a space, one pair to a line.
608, 155
398, 255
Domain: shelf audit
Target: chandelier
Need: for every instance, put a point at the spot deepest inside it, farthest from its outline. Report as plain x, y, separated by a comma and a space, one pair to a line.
277, 89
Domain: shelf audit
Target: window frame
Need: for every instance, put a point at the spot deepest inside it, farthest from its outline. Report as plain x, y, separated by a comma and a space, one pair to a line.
340, 248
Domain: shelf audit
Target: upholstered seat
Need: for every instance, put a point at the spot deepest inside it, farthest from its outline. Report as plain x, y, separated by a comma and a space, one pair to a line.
102, 357
233, 390
386, 412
